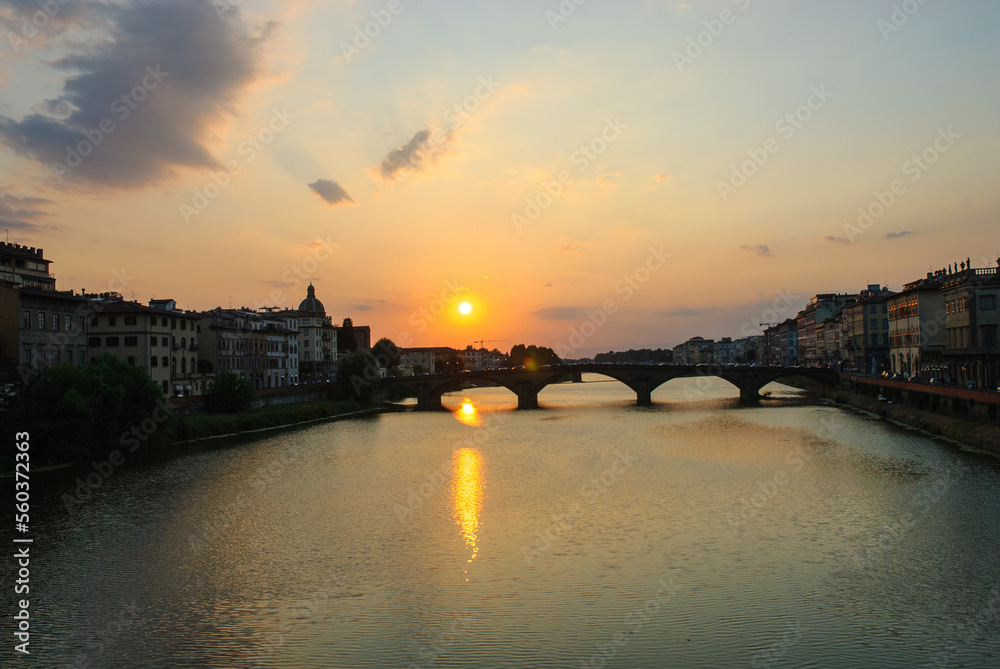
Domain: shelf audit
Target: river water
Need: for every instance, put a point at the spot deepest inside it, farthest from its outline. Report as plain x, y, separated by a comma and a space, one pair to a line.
588, 533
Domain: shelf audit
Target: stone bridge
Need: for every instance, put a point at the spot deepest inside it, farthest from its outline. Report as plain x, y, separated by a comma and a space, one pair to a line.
642, 379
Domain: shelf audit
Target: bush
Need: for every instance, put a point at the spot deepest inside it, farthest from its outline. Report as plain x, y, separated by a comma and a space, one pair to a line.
228, 393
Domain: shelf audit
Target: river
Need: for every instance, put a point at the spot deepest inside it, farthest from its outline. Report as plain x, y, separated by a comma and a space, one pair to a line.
588, 533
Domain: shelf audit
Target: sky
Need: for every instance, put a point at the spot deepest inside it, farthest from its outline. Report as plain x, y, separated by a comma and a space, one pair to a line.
587, 175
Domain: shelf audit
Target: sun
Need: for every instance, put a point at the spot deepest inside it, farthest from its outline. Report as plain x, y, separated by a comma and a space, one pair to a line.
465, 308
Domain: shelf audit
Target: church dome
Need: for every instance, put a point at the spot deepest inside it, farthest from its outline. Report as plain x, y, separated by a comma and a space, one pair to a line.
311, 304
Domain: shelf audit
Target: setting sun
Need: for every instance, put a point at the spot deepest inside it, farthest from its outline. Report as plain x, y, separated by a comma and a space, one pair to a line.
465, 308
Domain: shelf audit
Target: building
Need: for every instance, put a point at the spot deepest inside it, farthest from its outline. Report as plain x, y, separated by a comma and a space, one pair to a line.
725, 351
865, 332
971, 322
812, 342
480, 359
917, 327
780, 342
694, 351
317, 341
39, 325
162, 340
427, 359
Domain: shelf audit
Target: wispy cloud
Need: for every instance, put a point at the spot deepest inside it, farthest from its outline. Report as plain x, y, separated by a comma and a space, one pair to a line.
557, 313
422, 150
760, 249
683, 312
24, 213
897, 235
331, 191
837, 240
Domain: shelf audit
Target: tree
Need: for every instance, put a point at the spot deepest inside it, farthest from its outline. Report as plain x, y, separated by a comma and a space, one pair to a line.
386, 353
228, 393
205, 366
532, 357
80, 412
346, 341
449, 364
358, 376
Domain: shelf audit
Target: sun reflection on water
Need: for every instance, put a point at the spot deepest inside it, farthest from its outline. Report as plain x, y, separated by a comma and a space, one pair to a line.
468, 495
468, 414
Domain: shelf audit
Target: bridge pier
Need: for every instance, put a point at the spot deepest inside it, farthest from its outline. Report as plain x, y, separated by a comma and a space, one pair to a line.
527, 395
749, 397
428, 400
577, 377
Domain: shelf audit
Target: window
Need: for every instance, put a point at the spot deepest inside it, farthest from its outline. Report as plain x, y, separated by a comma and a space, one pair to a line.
987, 302
885, 323
68, 323
173, 365
111, 341
184, 343
112, 320
27, 356
163, 342
81, 357
184, 366
163, 361
130, 320
41, 320
94, 342
184, 325
131, 341
55, 356
27, 320
55, 321
173, 323
874, 324
93, 321
989, 338
153, 361
163, 322
83, 323
874, 339
152, 342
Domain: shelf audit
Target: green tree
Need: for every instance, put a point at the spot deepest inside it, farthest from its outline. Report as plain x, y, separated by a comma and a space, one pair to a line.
228, 393
532, 357
386, 353
358, 376
78, 412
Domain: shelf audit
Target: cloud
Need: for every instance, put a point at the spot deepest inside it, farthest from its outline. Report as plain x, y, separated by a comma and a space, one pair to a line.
896, 235
362, 307
557, 313
423, 147
609, 180
23, 213
761, 249
837, 240
683, 312
143, 99
331, 191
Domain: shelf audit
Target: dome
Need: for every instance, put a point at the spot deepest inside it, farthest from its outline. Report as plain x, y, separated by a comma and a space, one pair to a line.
311, 304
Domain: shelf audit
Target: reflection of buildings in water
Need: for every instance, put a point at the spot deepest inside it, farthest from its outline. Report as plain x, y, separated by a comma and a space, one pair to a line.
468, 495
